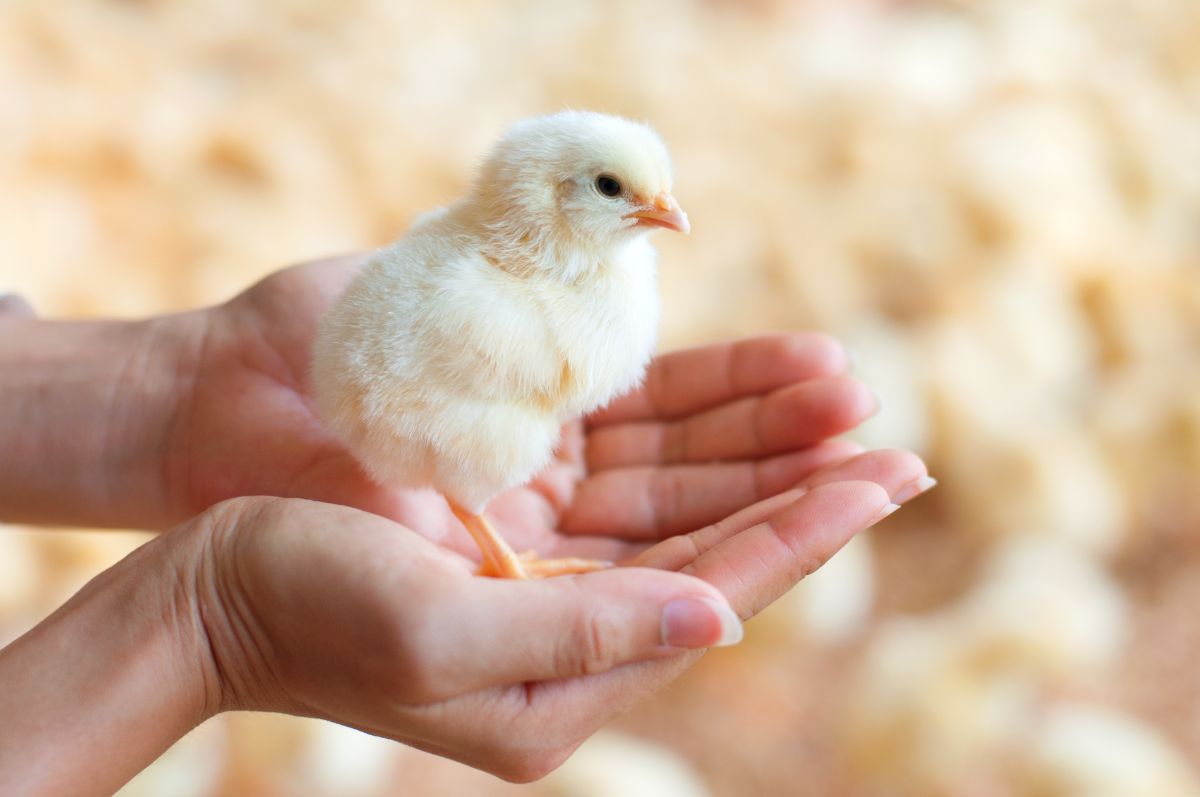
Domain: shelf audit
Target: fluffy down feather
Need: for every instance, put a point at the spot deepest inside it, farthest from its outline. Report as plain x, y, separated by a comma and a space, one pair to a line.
457, 353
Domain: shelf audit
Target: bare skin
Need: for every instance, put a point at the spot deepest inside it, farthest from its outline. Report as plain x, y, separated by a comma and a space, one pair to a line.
717, 481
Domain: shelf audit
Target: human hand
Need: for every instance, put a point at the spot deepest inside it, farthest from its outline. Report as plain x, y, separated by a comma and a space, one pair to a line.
731, 436
326, 611
712, 430
471, 681
144, 424
246, 423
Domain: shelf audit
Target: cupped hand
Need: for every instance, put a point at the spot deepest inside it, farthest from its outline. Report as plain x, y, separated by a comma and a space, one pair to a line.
326, 611
713, 430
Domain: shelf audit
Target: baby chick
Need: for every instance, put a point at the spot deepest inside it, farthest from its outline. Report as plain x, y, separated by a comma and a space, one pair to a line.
456, 355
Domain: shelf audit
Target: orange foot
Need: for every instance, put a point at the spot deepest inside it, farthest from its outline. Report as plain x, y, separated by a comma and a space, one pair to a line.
499, 561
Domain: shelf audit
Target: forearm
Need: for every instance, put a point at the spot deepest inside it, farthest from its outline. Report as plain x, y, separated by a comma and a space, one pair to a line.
100, 688
85, 413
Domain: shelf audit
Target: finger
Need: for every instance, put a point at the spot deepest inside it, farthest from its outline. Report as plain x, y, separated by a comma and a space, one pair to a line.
790, 418
795, 542
894, 470
15, 306
901, 473
506, 632
693, 380
649, 503
753, 568
610, 519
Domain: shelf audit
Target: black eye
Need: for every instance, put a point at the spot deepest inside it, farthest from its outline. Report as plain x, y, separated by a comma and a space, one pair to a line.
608, 185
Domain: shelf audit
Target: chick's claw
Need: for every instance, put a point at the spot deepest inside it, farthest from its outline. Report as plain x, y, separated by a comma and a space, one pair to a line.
499, 561
530, 565
536, 567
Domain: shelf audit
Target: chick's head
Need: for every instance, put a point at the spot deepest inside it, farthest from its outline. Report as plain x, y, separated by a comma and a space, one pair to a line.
583, 179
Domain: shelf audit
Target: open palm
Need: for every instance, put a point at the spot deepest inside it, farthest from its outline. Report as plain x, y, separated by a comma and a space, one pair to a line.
714, 430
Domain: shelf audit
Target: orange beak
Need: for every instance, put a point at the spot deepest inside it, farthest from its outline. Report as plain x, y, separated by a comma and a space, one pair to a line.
664, 212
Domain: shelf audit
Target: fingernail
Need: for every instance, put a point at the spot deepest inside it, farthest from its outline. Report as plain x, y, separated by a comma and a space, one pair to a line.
878, 402
851, 358
699, 623
14, 303
887, 510
914, 488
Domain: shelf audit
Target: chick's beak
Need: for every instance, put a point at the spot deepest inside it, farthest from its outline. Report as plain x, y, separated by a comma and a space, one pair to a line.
663, 211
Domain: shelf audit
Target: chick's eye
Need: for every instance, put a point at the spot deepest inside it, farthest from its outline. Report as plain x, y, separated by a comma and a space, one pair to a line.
607, 185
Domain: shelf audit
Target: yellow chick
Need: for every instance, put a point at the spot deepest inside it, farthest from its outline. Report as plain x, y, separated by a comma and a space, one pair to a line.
458, 352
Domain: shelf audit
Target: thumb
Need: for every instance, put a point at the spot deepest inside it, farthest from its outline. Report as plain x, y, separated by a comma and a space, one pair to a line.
517, 631
14, 305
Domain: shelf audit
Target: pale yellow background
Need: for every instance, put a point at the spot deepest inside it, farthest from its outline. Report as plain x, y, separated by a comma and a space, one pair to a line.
997, 203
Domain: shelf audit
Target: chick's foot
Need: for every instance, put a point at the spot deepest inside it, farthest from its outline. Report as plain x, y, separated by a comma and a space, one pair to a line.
537, 567
499, 561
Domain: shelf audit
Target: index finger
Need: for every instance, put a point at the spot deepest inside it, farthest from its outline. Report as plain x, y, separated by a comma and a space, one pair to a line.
796, 541
751, 569
688, 381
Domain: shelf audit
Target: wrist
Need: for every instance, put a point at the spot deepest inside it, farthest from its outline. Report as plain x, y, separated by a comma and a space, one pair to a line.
115, 676
152, 395
89, 408
242, 673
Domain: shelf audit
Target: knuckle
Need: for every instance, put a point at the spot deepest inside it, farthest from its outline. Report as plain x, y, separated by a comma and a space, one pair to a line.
591, 646
225, 518
806, 566
674, 442
594, 646
668, 496
232, 510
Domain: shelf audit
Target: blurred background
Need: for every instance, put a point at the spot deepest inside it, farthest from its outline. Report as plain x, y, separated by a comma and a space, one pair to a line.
997, 203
